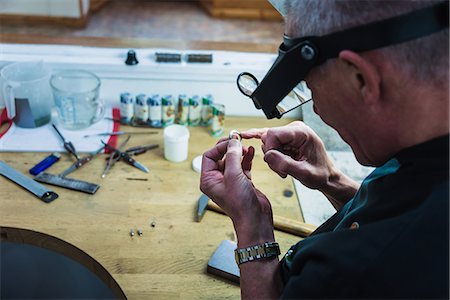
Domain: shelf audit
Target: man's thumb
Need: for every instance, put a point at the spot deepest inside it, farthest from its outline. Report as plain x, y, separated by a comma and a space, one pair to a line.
233, 157
278, 162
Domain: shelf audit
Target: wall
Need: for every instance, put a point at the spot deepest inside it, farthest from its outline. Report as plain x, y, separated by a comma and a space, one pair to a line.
217, 78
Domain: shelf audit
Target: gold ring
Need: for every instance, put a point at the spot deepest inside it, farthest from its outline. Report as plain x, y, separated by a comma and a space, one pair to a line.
234, 134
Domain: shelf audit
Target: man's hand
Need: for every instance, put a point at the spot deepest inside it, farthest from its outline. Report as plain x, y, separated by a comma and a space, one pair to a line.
296, 150
226, 179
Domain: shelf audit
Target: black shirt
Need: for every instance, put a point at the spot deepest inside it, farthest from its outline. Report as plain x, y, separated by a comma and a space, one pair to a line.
390, 241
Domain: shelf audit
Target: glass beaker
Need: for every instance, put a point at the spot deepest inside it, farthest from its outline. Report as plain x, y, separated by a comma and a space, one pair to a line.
26, 93
77, 99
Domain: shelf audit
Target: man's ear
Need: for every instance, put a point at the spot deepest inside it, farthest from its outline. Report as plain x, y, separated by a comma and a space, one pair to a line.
366, 75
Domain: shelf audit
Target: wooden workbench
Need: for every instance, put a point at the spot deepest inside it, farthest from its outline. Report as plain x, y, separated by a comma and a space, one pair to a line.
169, 260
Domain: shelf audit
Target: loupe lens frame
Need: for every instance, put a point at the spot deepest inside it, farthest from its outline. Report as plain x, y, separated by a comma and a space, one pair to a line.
242, 91
249, 75
288, 70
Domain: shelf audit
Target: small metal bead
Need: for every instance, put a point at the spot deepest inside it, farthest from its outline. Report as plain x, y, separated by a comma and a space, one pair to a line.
131, 232
140, 233
153, 224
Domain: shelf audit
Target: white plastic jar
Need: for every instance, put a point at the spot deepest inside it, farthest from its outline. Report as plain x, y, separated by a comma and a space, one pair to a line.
176, 142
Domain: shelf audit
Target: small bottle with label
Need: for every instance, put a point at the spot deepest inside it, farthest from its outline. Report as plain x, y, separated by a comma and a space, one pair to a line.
195, 110
183, 110
168, 110
141, 115
206, 110
218, 119
154, 111
126, 108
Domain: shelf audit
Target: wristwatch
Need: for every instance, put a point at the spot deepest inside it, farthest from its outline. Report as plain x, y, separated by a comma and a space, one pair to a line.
265, 250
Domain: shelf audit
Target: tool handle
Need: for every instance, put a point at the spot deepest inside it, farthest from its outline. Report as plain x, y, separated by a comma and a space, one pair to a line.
214, 207
292, 226
67, 145
280, 223
71, 149
141, 149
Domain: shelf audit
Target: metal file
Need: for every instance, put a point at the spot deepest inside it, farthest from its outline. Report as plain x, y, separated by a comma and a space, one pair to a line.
68, 183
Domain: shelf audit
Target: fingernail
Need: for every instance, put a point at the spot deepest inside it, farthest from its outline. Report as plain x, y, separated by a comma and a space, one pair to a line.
234, 143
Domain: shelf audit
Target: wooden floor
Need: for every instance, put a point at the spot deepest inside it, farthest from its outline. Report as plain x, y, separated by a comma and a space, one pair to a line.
162, 20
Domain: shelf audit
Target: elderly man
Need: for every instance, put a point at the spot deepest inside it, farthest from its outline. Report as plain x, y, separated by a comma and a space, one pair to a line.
387, 95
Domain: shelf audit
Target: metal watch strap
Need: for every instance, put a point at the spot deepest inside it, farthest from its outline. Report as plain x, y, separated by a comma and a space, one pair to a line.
251, 253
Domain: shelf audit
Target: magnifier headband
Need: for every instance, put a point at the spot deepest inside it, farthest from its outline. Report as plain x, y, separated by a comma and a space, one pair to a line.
297, 56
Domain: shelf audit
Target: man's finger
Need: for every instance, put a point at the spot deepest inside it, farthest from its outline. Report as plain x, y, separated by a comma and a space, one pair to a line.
247, 162
248, 158
212, 156
279, 162
254, 133
233, 158
222, 139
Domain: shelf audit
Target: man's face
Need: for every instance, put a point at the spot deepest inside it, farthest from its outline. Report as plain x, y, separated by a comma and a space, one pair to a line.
335, 101
328, 93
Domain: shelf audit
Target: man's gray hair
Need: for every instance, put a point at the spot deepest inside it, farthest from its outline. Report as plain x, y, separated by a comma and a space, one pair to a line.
425, 58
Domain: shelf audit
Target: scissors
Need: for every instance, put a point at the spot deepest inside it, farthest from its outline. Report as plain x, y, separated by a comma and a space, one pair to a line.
81, 162
117, 154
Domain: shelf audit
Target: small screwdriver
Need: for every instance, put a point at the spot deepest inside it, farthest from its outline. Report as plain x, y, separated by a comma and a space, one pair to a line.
67, 145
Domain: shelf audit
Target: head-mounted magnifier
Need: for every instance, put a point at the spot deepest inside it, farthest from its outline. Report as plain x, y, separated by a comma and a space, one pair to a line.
297, 56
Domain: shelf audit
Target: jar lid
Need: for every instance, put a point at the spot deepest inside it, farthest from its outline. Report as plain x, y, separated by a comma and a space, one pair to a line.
197, 164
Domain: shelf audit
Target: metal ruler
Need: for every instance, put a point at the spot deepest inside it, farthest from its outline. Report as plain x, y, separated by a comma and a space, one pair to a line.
27, 183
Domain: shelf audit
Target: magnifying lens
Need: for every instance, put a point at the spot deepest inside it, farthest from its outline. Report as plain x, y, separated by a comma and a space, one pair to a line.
283, 87
247, 84
300, 94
